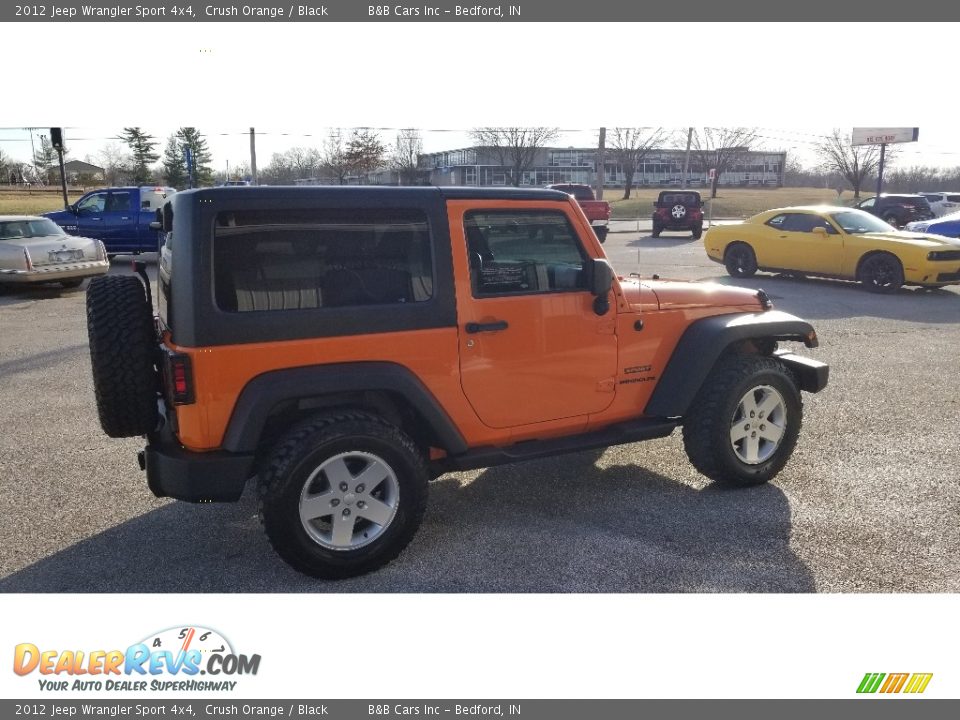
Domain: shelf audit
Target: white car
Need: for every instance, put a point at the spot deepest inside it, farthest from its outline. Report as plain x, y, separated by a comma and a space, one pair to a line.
943, 203
36, 249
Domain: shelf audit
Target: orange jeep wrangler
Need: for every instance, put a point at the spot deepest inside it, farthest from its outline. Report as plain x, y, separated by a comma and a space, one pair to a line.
344, 345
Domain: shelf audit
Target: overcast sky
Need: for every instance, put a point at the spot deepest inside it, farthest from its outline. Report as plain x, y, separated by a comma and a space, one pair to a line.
295, 81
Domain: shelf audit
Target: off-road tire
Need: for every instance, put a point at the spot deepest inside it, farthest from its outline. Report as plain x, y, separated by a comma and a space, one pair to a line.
881, 273
740, 260
122, 355
706, 428
306, 447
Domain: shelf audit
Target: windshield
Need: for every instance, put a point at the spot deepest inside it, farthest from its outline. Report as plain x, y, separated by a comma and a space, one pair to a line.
858, 221
17, 229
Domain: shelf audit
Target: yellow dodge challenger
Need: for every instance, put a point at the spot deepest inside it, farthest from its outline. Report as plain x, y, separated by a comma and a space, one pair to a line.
835, 242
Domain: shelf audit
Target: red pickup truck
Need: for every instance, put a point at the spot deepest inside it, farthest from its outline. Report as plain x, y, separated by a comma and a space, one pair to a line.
597, 211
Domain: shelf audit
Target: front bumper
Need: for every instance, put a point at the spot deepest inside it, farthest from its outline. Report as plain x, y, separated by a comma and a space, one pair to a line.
56, 273
197, 477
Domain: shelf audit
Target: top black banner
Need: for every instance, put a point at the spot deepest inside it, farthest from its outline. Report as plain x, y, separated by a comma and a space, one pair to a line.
443, 11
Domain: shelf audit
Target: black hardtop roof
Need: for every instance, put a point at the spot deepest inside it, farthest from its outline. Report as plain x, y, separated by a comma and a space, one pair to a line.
676, 191
377, 192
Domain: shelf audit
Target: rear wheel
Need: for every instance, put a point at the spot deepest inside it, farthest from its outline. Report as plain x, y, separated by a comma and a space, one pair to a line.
740, 260
881, 273
342, 494
697, 232
601, 233
122, 355
745, 421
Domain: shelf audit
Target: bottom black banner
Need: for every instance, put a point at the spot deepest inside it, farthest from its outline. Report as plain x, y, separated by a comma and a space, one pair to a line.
872, 708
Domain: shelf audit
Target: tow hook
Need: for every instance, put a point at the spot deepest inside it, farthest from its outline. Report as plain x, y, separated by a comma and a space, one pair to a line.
142, 460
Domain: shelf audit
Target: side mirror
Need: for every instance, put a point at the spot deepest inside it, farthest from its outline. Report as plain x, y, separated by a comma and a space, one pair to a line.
819, 231
73, 208
601, 281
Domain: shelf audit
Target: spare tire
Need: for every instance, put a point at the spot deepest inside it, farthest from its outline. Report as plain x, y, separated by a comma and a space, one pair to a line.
123, 349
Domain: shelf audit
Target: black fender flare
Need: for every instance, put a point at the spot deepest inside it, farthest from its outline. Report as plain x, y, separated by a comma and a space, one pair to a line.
265, 392
702, 344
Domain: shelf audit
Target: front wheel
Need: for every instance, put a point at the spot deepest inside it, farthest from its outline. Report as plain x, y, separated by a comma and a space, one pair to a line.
342, 494
740, 260
881, 273
744, 422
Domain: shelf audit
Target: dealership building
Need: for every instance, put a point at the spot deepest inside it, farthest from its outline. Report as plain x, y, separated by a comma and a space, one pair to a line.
480, 166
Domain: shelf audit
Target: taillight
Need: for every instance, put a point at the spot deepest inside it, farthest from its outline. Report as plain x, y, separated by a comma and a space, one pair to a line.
180, 379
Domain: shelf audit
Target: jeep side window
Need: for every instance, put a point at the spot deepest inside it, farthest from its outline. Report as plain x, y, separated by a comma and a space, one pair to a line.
523, 252
326, 258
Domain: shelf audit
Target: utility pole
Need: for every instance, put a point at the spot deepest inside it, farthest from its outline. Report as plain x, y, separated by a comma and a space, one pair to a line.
686, 159
253, 156
883, 152
601, 167
56, 139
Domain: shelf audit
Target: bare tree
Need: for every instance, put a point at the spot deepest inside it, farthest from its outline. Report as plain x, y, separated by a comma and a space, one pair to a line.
405, 157
5, 167
629, 146
721, 149
335, 161
515, 148
303, 162
854, 163
117, 165
365, 151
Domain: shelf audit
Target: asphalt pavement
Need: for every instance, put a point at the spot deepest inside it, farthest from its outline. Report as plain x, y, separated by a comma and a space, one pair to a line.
869, 502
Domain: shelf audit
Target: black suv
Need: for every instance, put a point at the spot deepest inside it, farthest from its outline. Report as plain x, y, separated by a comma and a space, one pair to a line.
898, 210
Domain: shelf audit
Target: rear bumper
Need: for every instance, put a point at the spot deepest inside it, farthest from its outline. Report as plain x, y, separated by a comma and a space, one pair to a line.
197, 477
55, 273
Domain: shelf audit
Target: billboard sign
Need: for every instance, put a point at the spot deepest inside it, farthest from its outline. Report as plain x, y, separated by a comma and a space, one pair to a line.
884, 136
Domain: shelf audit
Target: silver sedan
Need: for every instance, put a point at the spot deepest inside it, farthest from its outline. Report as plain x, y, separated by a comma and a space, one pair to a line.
35, 249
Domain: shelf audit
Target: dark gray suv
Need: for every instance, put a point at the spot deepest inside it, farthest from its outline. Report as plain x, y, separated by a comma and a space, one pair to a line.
898, 210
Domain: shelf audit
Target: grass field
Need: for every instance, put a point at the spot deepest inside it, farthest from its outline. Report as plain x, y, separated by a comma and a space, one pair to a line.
729, 203
19, 202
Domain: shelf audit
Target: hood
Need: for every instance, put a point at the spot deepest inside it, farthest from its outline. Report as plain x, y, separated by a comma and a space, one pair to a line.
917, 239
682, 294
58, 215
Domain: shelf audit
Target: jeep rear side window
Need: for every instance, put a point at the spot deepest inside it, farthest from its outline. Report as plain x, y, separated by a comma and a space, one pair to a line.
522, 252
304, 259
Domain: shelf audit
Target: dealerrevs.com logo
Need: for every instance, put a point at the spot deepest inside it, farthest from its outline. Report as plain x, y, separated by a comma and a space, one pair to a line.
176, 659
893, 683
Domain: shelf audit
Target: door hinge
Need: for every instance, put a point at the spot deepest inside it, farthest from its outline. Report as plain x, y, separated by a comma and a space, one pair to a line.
606, 385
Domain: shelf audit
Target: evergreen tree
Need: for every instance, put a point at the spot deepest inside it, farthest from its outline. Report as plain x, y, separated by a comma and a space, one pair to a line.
175, 170
143, 154
174, 166
45, 159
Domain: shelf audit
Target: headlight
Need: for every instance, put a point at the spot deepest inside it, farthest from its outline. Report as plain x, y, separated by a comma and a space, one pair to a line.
944, 255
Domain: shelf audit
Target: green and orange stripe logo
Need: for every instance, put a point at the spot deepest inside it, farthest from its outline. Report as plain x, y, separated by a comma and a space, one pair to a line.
913, 683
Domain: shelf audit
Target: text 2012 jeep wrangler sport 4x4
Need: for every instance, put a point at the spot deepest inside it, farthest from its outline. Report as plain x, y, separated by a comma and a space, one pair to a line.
343, 345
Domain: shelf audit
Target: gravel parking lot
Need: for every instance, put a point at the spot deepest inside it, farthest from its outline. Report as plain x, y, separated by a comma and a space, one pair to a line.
868, 503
